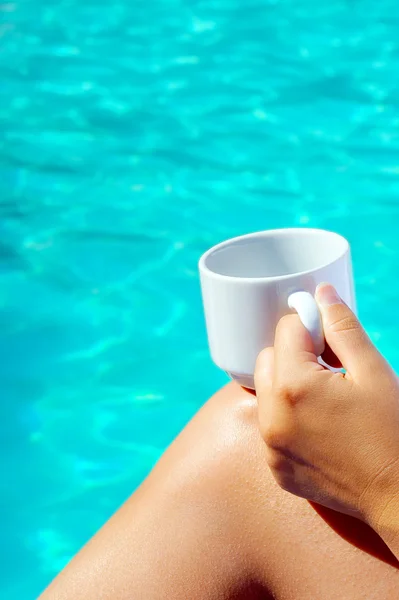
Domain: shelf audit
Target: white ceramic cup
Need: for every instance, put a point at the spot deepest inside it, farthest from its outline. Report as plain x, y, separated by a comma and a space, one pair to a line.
249, 282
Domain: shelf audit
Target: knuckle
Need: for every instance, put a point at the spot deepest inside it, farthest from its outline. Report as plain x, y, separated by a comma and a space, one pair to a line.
263, 359
284, 472
288, 484
277, 463
264, 354
275, 439
290, 393
342, 323
285, 323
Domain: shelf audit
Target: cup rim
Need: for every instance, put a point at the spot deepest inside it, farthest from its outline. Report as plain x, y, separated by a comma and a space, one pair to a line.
267, 233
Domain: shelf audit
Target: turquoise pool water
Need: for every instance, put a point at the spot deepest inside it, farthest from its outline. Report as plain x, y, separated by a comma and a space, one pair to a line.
133, 135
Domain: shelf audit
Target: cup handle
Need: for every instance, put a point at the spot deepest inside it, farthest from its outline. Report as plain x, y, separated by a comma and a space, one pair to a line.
308, 311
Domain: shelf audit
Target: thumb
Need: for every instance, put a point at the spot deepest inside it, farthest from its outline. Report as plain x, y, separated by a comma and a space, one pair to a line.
344, 333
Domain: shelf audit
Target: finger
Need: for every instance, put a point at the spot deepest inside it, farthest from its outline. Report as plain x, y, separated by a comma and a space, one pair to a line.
293, 349
344, 333
264, 372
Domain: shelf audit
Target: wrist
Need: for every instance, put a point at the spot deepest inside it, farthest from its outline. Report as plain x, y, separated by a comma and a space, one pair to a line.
386, 522
382, 507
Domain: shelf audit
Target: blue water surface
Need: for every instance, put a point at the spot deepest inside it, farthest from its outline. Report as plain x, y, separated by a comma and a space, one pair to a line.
134, 135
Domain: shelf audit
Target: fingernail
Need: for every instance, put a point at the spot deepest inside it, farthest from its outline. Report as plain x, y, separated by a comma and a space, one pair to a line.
327, 295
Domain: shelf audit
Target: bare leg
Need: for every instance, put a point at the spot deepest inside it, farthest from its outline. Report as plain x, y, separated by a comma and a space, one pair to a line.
209, 523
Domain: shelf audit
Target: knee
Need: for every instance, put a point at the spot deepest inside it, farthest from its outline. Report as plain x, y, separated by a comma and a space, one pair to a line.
221, 455
216, 474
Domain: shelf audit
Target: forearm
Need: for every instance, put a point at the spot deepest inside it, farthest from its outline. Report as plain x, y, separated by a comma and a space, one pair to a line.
383, 511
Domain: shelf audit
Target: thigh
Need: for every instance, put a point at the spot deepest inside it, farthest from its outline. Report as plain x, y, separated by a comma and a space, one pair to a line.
296, 550
209, 523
